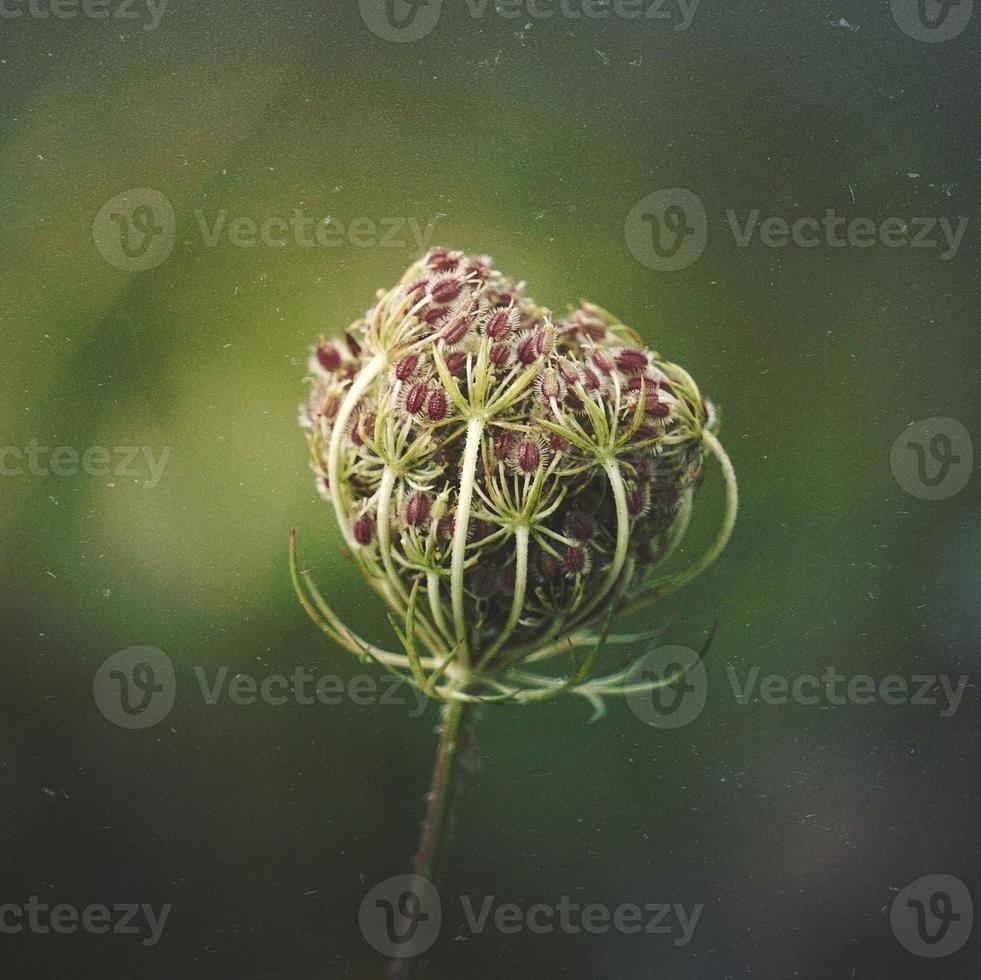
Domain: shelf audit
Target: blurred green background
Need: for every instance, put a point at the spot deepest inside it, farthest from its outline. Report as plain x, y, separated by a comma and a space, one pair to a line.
530, 140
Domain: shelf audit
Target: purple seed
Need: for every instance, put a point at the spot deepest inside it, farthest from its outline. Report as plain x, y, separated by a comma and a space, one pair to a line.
417, 508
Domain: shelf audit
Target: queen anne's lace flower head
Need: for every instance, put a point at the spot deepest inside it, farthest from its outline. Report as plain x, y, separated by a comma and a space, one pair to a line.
504, 478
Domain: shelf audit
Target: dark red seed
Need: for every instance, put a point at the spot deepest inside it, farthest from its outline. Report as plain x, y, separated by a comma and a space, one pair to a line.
569, 371
417, 508
594, 329
498, 324
503, 445
364, 530
499, 355
446, 290
655, 408
601, 362
433, 315
329, 358
442, 259
527, 456
580, 525
637, 501
545, 565
446, 526
415, 398
406, 367
456, 363
590, 379
574, 560
545, 341
556, 443
362, 428
526, 349
477, 268
644, 466
631, 361
456, 329
437, 406
331, 406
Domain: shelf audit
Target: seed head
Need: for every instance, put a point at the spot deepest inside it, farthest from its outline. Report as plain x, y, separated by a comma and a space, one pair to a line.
509, 473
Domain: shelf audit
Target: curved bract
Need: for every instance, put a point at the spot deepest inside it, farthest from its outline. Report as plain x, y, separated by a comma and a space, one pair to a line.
506, 480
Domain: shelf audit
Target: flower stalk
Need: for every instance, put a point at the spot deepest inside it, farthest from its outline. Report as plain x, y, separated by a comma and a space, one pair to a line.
509, 482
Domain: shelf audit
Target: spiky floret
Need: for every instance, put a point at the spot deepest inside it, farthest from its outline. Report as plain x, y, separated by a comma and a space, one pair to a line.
505, 480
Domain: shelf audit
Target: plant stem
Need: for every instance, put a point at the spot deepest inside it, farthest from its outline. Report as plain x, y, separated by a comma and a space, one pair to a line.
468, 475
439, 803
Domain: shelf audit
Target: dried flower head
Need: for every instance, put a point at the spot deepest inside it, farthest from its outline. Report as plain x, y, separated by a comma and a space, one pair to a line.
505, 480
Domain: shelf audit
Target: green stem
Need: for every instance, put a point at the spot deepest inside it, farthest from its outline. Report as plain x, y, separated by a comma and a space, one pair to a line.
361, 384
457, 714
468, 474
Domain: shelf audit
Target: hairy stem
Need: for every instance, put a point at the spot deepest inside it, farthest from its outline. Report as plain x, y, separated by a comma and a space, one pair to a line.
361, 384
471, 453
457, 715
